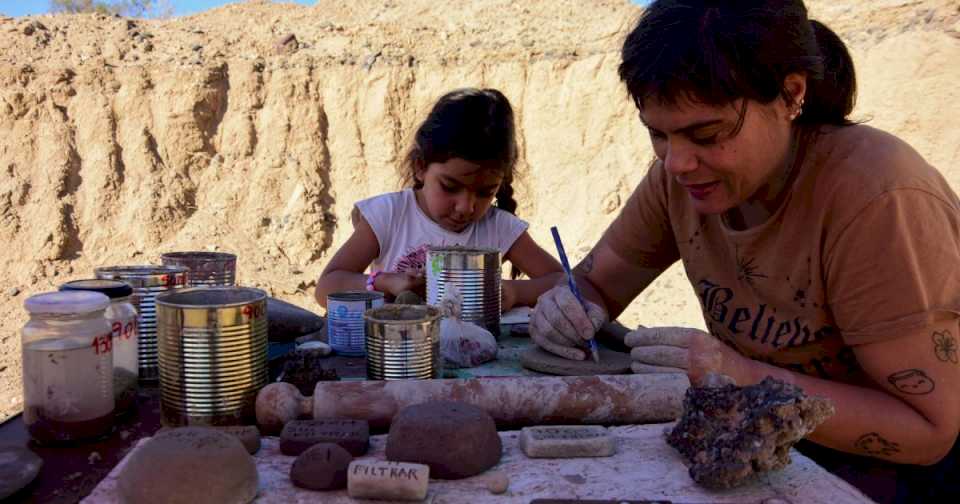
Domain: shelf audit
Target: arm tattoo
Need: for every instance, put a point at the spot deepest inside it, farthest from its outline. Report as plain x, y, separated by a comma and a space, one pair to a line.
585, 266
872, 444
945, 347
912, 382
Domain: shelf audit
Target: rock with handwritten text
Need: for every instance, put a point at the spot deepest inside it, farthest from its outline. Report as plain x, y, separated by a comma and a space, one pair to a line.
322, 467
729, 434
566, 441
298, 435
455, 439
369, 479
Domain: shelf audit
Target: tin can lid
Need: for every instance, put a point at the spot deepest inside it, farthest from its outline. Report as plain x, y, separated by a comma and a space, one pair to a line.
113, 289
67, 302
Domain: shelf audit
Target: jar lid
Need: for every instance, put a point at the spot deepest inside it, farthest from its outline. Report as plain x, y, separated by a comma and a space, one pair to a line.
67, 302
113, 289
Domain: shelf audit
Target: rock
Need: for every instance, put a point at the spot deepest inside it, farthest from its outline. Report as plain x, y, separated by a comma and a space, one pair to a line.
18, 467
322, 467
497, 482
730, 434
352, 435
177, 467
196, 47
320, 348
286, 322
455, 439
367, 479
13, 292
566, 441
248, 435
611, 362
303, 368
287, 44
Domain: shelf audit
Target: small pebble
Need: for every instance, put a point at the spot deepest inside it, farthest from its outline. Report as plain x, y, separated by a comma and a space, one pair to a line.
497, 482
13, 291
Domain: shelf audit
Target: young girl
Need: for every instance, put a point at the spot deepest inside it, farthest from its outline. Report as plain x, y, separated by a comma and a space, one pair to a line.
461, 163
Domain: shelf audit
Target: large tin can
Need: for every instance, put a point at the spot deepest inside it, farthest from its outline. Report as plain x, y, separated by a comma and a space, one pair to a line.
403, 342
476, 272
213, 354
346, 328
147, 283
206, 269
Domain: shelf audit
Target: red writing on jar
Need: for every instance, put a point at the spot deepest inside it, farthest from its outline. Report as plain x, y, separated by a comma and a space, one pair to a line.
120, 331
102, 344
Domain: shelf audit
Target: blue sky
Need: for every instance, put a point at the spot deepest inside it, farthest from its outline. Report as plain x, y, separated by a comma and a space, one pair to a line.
180, 7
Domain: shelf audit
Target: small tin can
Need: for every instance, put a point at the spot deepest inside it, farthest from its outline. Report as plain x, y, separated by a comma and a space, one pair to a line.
403, 343
346, 329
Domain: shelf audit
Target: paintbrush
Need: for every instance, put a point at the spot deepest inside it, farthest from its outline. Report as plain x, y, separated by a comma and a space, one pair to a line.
594, 351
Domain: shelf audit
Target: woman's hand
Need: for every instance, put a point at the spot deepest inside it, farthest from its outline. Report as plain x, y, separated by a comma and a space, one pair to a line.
395, 283
684, 350
560, 325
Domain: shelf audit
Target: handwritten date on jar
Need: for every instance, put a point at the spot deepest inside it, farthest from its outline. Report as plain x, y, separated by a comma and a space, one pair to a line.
912, 382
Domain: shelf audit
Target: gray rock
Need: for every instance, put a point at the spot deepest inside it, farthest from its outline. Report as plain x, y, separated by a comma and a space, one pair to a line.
18, 467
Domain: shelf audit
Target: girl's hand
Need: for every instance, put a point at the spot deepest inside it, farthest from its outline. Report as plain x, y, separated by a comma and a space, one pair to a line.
508, 296
395, 283
684, 350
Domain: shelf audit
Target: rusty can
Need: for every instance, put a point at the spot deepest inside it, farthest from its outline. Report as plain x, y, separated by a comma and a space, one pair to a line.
206, 269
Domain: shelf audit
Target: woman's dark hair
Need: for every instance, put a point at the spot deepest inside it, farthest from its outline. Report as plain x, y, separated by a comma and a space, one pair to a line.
471, 124
715, 52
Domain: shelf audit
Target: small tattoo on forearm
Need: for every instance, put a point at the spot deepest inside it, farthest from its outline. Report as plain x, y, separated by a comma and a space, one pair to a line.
585, 266
912, 381
945, 347
872, 444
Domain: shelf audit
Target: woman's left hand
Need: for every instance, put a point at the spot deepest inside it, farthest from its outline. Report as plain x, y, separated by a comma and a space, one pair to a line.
684, 350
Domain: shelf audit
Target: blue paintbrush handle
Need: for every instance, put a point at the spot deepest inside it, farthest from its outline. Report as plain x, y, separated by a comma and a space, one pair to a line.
573, 284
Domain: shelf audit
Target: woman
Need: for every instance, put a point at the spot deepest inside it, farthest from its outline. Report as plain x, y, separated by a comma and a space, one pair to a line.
824, 253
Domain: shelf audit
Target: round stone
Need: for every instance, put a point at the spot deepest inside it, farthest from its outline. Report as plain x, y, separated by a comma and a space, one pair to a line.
189, 465
457, 440
18, 467
497, 482
322, 467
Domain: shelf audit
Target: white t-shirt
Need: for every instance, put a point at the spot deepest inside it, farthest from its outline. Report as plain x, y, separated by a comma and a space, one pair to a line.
404, 231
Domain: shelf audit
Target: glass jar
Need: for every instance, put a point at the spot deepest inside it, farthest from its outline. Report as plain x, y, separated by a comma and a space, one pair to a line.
67, 367
122, 317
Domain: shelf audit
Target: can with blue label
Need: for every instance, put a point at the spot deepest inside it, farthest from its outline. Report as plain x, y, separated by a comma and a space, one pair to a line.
346, 327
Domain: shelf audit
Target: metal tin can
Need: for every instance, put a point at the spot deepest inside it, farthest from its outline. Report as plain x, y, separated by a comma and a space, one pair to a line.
147, 283
403, 342
213, 354
476, 272
345, 325
206, 269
